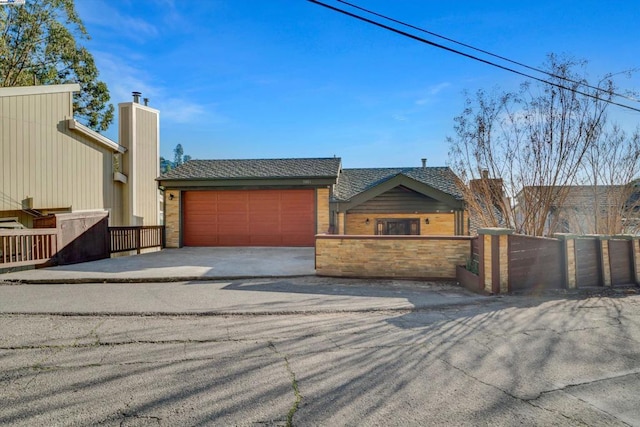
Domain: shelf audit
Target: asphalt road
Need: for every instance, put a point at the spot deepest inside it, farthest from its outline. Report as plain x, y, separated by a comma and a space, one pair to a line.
494, 361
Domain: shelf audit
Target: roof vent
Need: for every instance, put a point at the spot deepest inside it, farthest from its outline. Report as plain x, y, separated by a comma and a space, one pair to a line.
146, 101
424, 162
136, 97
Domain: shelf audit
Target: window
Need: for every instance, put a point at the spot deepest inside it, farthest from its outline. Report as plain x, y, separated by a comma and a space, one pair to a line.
398, 226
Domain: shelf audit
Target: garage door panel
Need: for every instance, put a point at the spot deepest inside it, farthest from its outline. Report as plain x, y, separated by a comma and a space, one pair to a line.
233, 240
249, 218
232, 207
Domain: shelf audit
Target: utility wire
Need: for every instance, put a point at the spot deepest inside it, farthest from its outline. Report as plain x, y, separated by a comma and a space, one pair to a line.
422, 40
486, 52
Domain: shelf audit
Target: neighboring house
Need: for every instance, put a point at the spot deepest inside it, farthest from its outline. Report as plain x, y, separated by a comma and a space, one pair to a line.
585, 209
410, 201
50, 163
286, 202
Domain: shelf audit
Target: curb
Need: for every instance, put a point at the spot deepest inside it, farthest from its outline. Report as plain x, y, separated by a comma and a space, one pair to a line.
78, 281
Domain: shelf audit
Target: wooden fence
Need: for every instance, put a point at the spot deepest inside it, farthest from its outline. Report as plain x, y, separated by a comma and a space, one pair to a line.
588, 262
510, 262
20, 248
124, 239
474, 264
535, 262
58, 246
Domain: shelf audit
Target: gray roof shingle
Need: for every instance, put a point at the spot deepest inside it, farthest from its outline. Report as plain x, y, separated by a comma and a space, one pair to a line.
255, 168
352, 182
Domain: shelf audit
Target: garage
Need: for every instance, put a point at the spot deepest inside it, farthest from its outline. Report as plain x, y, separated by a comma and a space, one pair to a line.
248, 202
270, 217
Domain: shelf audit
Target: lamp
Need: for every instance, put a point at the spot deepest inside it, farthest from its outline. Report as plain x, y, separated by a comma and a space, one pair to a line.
426, 221
366, 221
171, 196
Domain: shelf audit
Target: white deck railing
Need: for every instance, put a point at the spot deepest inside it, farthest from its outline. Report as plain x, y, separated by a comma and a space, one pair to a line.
27, 246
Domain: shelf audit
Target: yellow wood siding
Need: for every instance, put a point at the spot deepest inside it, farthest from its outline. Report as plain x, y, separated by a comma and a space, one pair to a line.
441, 224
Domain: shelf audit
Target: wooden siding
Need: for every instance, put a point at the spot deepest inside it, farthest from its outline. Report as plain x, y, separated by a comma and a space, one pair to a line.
147, 167
535, 263
588, 262
401, 200
440, 224
23, 217
41, 158
139, 133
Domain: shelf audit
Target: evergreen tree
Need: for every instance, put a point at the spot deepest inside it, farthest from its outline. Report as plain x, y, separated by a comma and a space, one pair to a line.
39, 45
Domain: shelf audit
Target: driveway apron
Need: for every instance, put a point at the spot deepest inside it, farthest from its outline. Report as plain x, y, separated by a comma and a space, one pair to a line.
189, 263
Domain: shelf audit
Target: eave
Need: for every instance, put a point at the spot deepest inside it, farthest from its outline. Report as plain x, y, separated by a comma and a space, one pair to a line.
95, 136
301, 182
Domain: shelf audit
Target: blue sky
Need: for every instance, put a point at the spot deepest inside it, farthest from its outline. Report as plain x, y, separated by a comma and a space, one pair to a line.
287, 78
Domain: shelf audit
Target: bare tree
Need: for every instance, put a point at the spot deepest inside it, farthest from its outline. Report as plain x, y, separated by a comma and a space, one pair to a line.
609, 176
518, 153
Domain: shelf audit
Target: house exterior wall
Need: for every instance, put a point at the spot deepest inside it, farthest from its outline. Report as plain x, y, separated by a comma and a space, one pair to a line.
43, 160
22, 217
51, 163
391, 256
322, 210
139, 133
439, 223
401, 200
172, 219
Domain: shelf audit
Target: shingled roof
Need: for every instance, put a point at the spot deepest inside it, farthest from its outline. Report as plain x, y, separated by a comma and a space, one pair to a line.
355, 181
255, 169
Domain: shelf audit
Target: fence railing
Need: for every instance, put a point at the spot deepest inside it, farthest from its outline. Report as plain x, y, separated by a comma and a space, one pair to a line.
27, 247
124, 239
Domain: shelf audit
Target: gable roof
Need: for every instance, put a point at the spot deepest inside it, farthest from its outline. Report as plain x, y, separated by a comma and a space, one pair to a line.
353, 182
240, 169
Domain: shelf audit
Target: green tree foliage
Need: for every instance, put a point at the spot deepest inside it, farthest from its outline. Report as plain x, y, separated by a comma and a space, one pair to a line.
165, 165
39, 44
178, 153
178, 158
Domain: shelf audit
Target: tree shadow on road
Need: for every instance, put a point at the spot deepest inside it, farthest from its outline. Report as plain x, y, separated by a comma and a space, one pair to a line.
499, 360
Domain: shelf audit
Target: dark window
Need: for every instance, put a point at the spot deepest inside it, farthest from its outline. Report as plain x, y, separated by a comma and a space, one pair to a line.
398, 227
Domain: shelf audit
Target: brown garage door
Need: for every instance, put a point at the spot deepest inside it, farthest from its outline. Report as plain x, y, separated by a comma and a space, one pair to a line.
249, 218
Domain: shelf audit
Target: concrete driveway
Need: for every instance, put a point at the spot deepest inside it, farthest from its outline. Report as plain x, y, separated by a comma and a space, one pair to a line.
184, 264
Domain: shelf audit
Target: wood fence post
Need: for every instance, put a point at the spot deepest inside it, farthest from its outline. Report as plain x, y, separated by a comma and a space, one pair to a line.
138, 242
569, 259
635, 251
495, 259
605, 262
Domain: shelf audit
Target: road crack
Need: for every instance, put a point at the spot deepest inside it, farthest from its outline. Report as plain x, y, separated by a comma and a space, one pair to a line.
294, 385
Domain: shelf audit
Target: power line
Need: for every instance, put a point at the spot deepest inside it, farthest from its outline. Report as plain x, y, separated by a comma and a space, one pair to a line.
428, 42
486, 52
